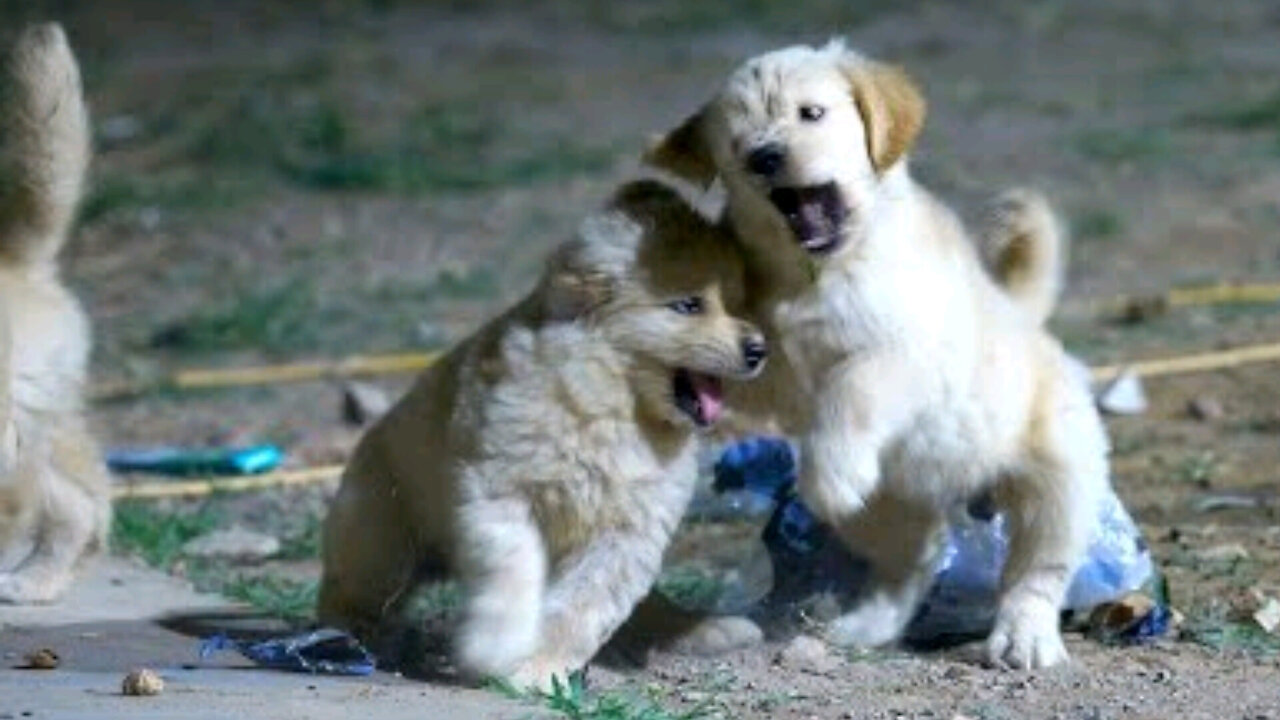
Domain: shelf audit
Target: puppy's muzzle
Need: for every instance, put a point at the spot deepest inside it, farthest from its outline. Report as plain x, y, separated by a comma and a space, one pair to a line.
767, 160
754, 353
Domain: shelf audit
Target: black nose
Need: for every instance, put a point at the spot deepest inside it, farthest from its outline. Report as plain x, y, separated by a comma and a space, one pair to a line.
754, 352
766, 160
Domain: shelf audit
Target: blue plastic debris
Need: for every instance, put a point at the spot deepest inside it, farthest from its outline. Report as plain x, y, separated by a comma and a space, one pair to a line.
325, 651
808, 559
186, 461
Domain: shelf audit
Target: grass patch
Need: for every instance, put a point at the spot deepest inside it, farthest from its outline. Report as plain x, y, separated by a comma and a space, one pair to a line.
690, 586
157, 536
274, 319
1098, 224
1117, 147
112, 195
1199, 469
1262, 114
674, 16
444, 147
292, 600
305, 543
1214, 629
570, 699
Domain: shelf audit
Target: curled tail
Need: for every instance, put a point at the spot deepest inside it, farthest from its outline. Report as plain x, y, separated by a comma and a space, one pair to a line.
1024, 249
44, 145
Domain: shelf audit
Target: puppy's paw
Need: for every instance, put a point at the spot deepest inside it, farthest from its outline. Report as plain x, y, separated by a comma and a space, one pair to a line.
877, 621
20, 589
717, 635
1026, 636
540, 674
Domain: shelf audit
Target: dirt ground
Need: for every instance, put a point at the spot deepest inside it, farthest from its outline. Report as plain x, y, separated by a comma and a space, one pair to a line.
275, 183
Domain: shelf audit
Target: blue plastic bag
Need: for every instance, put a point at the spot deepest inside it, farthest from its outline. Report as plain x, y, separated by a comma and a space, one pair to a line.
325, 651
808, 559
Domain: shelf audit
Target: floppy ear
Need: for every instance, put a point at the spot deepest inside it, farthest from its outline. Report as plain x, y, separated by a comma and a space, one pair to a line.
891, 106
574, 292
683, 152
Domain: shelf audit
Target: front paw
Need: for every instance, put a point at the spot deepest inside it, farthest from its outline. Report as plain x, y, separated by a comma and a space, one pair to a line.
541, 674
1026, 636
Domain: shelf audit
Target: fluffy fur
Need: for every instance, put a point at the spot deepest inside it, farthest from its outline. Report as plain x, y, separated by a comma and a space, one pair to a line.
546, 460
54, 499
912, 378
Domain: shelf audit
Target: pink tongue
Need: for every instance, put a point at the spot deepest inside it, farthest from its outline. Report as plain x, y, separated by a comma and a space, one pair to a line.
707, 389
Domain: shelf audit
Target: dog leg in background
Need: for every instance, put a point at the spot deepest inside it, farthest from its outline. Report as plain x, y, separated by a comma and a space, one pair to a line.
44, 132
503, 567
900, 539
75, 520
1051, 507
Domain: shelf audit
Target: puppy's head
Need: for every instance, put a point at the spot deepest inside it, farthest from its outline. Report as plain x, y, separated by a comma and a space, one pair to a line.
663, 286
811, 132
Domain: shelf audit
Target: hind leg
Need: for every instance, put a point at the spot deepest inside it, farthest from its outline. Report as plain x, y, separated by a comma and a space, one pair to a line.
503, 567
1051, 507
900, 539
370, 558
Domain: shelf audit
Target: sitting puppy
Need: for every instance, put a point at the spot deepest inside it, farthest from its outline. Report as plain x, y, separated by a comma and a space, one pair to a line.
54, 495
913, 380
546, 460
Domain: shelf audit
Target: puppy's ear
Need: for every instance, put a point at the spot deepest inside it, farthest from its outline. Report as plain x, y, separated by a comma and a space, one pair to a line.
684, 152
573, 291
891, 106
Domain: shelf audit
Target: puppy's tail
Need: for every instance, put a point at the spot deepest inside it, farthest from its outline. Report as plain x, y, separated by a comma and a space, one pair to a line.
44, 145
1024, 250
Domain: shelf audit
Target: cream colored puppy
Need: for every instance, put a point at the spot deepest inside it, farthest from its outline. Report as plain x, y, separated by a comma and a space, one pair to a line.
919, 381
54, 496
546, 460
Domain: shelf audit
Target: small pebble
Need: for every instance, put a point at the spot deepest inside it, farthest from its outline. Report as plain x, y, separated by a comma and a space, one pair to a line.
1205, 408
42, 659
1123, 395
142, 682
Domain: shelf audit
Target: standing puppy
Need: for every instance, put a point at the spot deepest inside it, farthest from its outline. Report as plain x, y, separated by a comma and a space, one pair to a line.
547, 459
913, 379
54, 496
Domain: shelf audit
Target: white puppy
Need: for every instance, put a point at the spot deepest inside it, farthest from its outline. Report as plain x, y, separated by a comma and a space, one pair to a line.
913, 379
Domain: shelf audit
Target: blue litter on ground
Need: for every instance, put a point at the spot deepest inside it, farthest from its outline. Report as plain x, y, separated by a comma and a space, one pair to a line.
190, 461
325, 651
808, 559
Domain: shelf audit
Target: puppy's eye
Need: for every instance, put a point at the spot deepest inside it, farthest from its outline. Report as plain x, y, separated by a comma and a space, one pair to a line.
812, 113
692, 305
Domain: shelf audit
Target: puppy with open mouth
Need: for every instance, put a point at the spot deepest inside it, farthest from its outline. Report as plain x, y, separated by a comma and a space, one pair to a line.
914, 373
547, 459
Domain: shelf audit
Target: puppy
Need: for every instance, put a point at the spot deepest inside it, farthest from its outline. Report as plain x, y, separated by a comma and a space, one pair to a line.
54, 495
546, 460
913, 380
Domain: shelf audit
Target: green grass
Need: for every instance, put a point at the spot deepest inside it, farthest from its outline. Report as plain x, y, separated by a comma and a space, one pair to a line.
690, 587
273, 318
570, 699
1261, 114
305, 543
1098, 224
157, 536
1200, 468
1118, 147
292, 600
1213, 628
113, 194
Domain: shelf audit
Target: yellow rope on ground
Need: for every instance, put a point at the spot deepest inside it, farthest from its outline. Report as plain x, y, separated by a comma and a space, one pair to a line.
208, 486
1233, 357
1138, 306
358, 365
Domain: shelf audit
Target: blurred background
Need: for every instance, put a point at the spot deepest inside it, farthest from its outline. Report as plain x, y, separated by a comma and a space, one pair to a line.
282, 180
